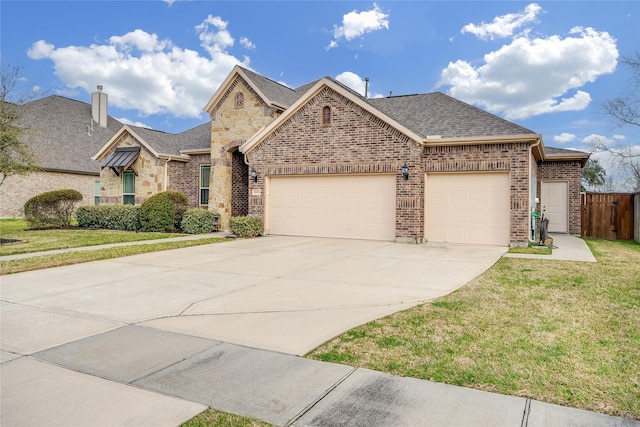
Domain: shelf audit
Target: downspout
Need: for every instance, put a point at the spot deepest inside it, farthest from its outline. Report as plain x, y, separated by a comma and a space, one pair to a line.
531, 218
166, 173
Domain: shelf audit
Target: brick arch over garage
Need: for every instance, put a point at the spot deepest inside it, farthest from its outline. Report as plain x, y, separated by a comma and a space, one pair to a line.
239, 178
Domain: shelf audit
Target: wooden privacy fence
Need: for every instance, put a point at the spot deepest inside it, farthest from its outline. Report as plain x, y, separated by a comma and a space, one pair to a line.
607, 215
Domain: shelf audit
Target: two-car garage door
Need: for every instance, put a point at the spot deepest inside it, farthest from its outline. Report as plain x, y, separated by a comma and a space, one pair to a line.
471, 208
354, 206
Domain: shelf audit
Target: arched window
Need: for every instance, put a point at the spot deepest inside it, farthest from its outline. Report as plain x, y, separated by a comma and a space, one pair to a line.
326, 115
239, 101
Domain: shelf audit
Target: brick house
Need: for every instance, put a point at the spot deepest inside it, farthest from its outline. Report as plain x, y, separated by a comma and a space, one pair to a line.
137, 163
325, 161
322, 160
63, 133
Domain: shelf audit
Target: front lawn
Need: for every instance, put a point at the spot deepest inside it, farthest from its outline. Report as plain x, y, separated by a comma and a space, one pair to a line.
561, 332
46, 240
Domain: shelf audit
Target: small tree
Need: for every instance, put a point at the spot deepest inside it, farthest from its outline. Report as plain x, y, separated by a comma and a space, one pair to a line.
624, 110
16, 157
593, 175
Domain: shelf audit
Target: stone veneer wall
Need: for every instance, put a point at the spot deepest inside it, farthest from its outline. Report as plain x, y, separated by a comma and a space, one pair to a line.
230, 126
185, 177
357, 142
17, 189
569, 171
150, 179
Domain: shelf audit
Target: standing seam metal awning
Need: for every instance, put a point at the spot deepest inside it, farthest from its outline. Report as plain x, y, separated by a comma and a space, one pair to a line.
122, 159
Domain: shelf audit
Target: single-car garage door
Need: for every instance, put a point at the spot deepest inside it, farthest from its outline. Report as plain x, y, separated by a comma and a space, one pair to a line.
353, 206
472, 208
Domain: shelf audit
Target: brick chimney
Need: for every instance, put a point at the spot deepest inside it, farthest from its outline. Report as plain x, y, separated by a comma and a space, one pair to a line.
99, 107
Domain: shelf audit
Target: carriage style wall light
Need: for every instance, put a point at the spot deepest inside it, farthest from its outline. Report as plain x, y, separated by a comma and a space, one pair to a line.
405, 171
254, 175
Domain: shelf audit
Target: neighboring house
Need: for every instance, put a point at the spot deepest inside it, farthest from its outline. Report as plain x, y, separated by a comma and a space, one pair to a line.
137, 163
64, 134
322, 160
325, 161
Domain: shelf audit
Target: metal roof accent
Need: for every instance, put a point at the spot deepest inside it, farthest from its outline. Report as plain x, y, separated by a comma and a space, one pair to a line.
122, 159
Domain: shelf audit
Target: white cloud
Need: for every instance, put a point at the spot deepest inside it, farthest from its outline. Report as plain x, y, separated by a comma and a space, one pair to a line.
564, 137
595, 139
247, 44
532, 76
142, 72
356, 83
619, 137
126, 121
505, 25
355, 24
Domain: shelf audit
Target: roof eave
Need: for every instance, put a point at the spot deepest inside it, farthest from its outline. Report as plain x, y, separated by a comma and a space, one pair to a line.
116, 137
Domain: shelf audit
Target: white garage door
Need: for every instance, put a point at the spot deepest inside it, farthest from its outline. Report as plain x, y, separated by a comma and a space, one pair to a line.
355, 207
470, 208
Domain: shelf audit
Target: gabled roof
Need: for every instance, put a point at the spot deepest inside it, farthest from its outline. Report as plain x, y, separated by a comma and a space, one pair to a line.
62, 134
437, 114
272, 93
310, 93
163, 144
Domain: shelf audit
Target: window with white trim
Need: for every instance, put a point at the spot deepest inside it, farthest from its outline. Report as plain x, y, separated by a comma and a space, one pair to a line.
205, 174
128, 188
96, 192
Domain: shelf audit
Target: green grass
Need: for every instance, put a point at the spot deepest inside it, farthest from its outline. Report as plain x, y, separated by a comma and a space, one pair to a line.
44, 240
213, 418
560, 332
534, 250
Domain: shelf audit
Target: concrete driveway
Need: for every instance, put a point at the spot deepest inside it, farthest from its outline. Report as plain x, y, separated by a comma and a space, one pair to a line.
286, 294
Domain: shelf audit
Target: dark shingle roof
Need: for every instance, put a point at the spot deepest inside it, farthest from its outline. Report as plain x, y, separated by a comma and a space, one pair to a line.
56, 130
198, 137
558, 153
435, 113
276, 92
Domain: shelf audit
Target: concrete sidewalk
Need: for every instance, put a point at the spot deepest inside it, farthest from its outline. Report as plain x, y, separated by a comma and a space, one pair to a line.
146, 377
565, 248
115, 245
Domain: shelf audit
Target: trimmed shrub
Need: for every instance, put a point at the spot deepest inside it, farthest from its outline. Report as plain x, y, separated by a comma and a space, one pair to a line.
52, 209
246, 226
163, 212
112, 217
198, 221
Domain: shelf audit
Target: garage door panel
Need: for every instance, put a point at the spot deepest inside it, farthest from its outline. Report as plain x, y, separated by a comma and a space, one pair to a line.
356, 206
468, 208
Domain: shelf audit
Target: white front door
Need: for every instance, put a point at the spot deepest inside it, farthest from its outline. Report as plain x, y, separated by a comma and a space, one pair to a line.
555, 205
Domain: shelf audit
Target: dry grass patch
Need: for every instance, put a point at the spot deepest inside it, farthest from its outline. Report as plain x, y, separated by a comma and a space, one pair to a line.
559, 332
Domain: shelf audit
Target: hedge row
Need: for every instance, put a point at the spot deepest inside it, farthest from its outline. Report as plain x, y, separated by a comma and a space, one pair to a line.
112, 217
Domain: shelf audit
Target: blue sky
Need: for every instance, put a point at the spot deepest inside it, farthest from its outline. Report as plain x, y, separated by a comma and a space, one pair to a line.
547, 66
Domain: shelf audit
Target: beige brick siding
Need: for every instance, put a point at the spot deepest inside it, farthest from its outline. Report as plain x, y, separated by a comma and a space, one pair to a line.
570, 172
150, 179
185, 177
17, 189
358, 143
